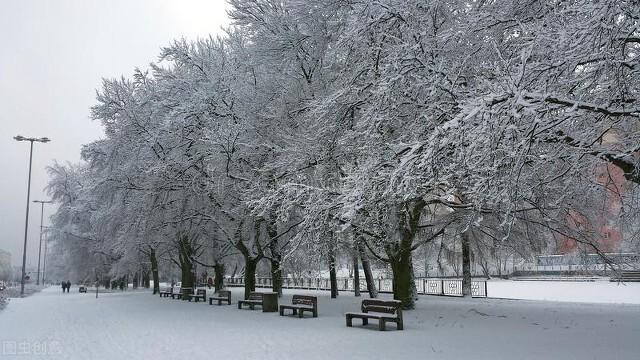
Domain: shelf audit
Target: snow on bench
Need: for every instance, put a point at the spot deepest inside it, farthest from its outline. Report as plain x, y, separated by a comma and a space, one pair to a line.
300, 304
166, 292
255, 298
200, 294
223, 295
382, 310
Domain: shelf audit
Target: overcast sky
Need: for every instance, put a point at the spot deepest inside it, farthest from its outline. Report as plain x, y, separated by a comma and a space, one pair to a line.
53, 55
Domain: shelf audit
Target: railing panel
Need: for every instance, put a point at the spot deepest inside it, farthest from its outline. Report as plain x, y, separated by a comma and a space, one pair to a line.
447, 287
479, 288
433, 287
452, 287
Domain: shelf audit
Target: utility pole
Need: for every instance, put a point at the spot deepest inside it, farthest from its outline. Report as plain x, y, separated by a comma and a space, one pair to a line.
40, 247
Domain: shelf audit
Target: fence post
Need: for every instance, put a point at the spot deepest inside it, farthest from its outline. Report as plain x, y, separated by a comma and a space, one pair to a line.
485, 290
441, 287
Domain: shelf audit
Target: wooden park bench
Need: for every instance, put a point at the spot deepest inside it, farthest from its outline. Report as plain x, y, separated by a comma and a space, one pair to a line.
222, 295
177, 294
382, 310
255, 298
166, 292
200, 294
182, 294
300, 304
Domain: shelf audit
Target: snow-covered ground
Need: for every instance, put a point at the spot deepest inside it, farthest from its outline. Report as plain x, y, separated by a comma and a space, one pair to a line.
602, 291
137, 325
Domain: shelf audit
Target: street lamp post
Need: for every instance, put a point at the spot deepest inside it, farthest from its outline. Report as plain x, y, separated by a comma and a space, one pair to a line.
44, 260
40, 247
26, 222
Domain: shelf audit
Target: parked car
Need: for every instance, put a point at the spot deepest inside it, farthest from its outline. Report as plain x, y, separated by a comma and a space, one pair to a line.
82, 289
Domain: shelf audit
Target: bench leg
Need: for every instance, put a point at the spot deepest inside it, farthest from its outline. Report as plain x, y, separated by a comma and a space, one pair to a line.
349, 321
315, 313
239, 305
381, 324
300, 313
400, 326
210, 301
365, 321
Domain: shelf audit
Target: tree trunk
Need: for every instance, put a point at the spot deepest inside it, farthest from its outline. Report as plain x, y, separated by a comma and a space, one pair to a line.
404, 286
276, 257
187, 275
332, 267
249, 276
135, 280
250, 262
154, 271
218, 280
368, 274
146, 280
185, 253
276, 276
356, 276
466, 264
399, 253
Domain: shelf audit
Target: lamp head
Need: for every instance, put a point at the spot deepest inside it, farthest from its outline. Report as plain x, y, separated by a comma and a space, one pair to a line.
44, 139
19, 138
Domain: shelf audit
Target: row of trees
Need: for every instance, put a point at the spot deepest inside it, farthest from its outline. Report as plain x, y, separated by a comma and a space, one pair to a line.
371, 130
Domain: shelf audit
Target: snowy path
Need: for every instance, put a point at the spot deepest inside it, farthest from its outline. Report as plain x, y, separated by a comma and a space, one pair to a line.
137, 325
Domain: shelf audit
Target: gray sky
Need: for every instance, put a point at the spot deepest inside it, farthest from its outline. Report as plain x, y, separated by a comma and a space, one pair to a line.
53, 55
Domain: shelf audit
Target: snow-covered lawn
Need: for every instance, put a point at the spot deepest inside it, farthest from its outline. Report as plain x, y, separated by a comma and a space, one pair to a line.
602, 291
137, 325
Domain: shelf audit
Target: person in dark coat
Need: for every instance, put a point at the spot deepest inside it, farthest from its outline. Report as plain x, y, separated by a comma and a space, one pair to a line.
64, 286
68, 285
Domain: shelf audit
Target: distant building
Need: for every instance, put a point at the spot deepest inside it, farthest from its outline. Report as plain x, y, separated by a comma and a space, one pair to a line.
607, 232
5, 265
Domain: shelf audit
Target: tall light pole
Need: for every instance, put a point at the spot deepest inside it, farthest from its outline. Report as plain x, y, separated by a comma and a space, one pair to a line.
40, 247
44, 260
26, 222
